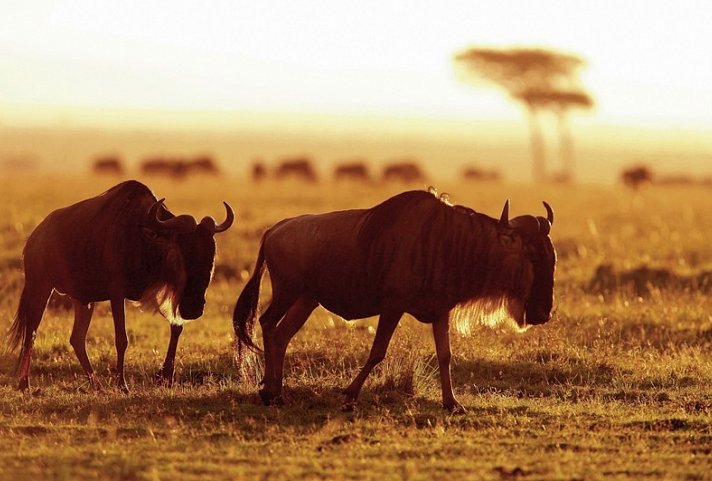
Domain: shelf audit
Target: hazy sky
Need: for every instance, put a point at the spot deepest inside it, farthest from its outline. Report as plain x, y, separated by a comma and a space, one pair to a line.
649, 62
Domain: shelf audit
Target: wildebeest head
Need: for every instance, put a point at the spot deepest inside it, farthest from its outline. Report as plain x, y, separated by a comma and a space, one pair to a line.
188, 254
528, 236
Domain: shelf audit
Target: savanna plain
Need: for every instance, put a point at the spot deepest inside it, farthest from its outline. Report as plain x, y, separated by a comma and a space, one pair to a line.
618, 385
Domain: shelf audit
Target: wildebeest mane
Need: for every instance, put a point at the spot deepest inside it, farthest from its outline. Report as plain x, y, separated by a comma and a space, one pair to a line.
116, 218
424, 245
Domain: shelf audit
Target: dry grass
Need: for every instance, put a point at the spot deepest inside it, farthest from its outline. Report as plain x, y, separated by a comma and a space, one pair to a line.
617, 386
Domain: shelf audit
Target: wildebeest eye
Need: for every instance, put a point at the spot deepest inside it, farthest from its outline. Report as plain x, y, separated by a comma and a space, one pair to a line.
152, 235
509, 240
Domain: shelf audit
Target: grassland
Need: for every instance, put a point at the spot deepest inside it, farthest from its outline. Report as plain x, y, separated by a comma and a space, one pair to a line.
616, 386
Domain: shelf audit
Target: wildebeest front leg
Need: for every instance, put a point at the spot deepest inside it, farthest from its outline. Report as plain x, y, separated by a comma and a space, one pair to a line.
122, 341
441, 334
386, 326
78, 339
166, 373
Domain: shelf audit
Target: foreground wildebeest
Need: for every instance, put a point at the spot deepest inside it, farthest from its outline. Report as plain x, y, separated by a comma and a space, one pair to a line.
122, 244
413, 253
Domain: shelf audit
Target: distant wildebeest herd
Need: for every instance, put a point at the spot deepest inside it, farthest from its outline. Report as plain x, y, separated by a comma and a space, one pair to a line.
299, 168
414, 253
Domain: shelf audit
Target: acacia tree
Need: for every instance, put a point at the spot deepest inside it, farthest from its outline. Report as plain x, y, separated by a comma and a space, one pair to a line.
539, 79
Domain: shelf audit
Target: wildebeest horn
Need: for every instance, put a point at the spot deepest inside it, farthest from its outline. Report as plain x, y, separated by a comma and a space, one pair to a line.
183, 223
209, 222
549, 213
546, 222
152, 214
504, 218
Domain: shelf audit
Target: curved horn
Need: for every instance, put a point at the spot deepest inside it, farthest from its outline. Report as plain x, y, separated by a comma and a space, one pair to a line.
228, 220
152, 213
209, 223
184, 223
504, 218
549, 213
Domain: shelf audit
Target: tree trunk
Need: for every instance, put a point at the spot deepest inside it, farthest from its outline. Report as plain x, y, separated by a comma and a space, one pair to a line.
566, 147
537, 145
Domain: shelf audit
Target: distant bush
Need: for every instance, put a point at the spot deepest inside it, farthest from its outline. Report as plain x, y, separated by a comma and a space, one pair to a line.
643, 279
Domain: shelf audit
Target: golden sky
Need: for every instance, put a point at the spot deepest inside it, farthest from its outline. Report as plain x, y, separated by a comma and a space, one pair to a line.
649, 62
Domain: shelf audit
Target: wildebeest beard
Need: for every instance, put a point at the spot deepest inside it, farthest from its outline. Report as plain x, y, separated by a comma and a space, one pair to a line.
187, 264
166, 293
454, 256
528, 303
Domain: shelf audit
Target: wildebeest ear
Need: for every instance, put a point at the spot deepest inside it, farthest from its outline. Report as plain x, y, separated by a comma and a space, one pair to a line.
152, 235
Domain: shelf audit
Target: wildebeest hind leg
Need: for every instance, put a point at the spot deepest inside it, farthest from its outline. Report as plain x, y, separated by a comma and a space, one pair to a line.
386, 326
122, 341
268, 322
78, 340
165, 375
29, 314
441, 335
295, 318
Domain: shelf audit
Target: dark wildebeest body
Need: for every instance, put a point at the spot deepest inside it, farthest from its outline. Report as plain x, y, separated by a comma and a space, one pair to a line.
411, 254
108, 165
202, 165
352, 171
408, 172
259, 172
122, 244
637, 176
172, 167
301, 169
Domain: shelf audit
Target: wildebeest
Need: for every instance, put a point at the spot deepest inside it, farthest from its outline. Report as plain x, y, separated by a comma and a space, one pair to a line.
108, 165
352, 171
300, 168
122, 244
477, 173
636, 176
203, 164
172, 167
408, 172
259, 171
413, 253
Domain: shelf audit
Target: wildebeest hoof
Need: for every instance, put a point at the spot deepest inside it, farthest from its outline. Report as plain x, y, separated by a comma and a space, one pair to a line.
163, 378
269, 399
23, 385
123, 387
349, 405
455, 408
94, 384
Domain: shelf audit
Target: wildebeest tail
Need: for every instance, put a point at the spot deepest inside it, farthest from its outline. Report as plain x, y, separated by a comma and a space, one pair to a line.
20, 328
243, 317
